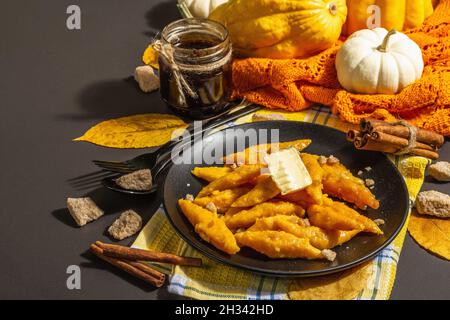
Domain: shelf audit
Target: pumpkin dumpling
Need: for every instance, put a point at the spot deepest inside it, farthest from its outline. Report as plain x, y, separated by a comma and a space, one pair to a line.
378, 62
282, 29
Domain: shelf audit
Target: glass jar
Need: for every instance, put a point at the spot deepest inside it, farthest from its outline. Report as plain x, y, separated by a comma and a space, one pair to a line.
195, 67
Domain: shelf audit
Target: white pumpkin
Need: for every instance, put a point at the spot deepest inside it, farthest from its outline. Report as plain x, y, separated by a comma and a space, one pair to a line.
202, 8
378, 62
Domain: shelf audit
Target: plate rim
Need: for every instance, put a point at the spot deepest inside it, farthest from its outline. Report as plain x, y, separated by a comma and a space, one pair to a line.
292, 274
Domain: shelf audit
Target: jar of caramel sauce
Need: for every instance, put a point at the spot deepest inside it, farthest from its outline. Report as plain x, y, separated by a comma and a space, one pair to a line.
195, 67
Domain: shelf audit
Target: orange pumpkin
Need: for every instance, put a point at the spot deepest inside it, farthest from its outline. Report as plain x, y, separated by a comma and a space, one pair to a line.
398, 14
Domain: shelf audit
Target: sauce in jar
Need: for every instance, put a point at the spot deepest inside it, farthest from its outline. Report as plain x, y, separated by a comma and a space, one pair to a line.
195, 67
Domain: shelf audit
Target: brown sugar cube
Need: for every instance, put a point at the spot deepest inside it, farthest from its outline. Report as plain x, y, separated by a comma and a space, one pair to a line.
440, 171
126, 225
433, 203
139, 180
146, 78
83, 210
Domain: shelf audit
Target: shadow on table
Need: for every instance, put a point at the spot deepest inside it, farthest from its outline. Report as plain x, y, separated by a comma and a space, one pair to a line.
114, 98
161, 15
63, 215
430, 179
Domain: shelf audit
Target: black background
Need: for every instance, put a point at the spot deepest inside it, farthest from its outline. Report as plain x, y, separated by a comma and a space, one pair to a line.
54, 85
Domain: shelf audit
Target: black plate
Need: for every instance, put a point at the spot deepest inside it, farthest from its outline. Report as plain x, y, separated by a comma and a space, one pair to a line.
390, 189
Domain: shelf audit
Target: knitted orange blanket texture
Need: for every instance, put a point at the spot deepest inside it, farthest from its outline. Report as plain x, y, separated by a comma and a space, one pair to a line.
295, 84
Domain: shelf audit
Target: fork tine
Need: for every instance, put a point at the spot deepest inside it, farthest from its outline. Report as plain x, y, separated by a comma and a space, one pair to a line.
116, 169
114, 166
88, 187
111, 163
87, 176
106, 174
122, 171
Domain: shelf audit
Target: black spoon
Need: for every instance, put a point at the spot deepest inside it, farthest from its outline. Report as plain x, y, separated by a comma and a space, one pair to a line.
111, 184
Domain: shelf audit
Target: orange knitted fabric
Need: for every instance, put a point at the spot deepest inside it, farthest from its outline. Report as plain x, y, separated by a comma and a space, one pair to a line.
294, 84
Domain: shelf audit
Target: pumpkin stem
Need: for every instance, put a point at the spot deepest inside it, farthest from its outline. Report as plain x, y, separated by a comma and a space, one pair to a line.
333, 8
385, 45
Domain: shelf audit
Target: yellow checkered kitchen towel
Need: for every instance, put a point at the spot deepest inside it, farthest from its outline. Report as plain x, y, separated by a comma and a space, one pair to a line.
219, 281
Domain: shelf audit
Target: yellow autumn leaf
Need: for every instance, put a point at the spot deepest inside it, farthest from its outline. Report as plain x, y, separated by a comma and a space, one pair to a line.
431, 233
138, 131
344, 285
150, 57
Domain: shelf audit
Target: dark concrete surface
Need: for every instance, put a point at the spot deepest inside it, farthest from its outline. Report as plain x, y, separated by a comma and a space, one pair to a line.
55, 84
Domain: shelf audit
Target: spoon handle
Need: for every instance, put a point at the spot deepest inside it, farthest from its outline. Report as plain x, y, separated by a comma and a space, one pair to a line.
240, 112
232, 114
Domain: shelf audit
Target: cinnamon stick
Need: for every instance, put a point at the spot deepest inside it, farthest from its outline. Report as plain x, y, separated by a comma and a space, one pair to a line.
424, 136
145, 268
361, 141
153, 277
116, 251
397, 141
352, 134
372, 145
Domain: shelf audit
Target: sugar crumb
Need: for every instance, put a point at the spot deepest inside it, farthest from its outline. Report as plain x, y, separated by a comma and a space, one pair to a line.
322, 160
333, 160
211, 207
329, 255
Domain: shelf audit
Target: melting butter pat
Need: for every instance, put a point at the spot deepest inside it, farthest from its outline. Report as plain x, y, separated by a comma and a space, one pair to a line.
288, 170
